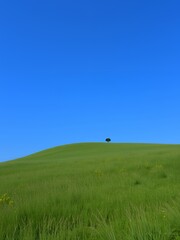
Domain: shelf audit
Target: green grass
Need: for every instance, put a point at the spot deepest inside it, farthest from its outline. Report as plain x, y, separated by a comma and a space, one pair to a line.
92, 191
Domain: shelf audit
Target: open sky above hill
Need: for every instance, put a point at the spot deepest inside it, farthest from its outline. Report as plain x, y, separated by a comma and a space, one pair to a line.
78, 71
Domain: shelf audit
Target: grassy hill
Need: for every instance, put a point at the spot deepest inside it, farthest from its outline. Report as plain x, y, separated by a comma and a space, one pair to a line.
92, 191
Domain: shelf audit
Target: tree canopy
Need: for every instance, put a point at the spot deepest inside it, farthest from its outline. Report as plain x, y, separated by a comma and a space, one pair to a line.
108, 139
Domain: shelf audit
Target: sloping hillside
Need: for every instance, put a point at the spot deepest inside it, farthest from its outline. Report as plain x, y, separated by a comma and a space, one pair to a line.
92, 191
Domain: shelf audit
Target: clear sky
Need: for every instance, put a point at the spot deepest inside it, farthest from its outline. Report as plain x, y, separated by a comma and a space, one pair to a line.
81, 71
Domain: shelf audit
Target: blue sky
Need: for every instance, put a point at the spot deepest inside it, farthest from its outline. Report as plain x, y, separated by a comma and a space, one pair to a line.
80, 71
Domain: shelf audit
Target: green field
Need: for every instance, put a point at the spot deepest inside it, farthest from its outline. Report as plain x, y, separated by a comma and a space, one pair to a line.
92, 191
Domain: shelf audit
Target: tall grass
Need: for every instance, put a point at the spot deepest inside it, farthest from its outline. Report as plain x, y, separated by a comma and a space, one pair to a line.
93, 191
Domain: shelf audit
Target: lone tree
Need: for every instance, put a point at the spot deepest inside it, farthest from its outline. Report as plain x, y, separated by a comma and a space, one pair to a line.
108, 139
